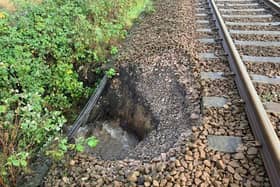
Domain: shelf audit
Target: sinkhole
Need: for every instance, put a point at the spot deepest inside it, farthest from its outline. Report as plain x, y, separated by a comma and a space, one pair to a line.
120, 120
142, 113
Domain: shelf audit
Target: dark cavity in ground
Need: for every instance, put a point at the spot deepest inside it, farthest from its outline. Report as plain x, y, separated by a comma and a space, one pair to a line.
140, 114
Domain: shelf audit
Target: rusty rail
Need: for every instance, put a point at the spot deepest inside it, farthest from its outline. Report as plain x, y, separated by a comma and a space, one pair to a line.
259, 121
83, 116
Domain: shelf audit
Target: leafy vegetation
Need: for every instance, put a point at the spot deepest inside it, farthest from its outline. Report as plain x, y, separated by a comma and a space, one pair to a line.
111, 73
64, 146
42, 46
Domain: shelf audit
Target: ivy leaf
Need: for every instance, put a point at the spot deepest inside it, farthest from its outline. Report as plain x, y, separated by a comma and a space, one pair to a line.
15, 163
23, 163
92, 142
63, 147
114, 50
111, 73
80, 148
3, 108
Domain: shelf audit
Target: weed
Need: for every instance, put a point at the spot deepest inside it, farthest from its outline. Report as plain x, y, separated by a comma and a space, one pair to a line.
114, 50
111, 73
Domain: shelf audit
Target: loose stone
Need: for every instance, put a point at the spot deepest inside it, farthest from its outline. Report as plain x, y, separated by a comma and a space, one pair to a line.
220, 164
147, 184
133, 177
155, 183
163, 182
230, 169
252, 151
207, 163
237, 177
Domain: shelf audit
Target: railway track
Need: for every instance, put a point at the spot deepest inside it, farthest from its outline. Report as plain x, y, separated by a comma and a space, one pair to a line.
246, 34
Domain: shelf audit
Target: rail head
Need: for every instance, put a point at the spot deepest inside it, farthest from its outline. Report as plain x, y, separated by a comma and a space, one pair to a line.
256, 113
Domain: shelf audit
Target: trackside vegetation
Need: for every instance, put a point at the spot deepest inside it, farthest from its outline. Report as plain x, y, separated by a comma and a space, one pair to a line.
42, 46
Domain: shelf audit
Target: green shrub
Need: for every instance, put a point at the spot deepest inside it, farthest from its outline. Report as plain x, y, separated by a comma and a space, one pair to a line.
42, 45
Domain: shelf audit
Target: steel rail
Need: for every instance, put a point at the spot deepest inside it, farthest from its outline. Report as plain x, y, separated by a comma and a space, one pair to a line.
258, 118
273, 5
83, 116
